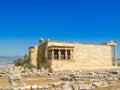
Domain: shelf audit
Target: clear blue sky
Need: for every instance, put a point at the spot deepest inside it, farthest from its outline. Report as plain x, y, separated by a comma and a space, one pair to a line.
23, 22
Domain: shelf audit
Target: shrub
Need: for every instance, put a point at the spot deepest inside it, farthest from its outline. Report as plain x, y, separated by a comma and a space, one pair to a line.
30, 66
25, 62
18, 62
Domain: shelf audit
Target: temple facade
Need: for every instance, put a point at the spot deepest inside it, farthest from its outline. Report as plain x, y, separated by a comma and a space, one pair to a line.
59, 55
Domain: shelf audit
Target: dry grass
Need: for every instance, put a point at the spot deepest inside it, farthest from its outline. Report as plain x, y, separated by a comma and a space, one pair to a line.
39, 80
4, 81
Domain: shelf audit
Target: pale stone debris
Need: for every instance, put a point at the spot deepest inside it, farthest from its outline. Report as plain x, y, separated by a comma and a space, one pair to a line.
86, 80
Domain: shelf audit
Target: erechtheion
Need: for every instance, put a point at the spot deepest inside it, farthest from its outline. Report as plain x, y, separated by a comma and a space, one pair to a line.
59, 55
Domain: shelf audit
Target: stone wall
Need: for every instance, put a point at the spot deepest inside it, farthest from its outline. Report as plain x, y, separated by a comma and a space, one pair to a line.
33, 50
84, 55
42, 61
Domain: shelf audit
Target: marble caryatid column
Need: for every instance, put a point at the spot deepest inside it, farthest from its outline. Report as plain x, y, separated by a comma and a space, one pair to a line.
115, 55
59, 54
52, 54
71, 54
65, 53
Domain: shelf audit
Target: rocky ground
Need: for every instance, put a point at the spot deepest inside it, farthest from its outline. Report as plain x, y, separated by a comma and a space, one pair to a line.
23, 79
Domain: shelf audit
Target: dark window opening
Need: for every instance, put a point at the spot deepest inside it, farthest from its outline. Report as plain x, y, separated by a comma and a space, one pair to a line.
55, 54
62, 54
68, 54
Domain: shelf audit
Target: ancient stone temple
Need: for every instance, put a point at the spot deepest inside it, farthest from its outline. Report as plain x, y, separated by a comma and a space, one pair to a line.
59, 55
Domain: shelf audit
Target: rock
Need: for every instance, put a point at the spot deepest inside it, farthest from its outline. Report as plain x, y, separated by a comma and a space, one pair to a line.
96, 84
50, 78
22, 88
13, 83
64, 78
46, 86
83, 86
34, 70
27, 87
74, 87
66, 87
115, 78
40, 87
57, 84
58, 88
104, 84
15, 88
34, 87
111, 82
114, 72
109, 78
90, 86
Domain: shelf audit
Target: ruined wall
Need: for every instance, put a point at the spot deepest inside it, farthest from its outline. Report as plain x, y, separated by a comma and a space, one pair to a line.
42, 61
33, 54
84, 55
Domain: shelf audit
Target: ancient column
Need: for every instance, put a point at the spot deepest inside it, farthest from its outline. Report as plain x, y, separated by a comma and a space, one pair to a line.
65, 54
59, 54
52, 54
115, 56
71, 54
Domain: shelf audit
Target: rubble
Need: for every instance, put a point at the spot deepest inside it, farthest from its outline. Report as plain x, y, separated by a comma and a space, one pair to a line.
70, 80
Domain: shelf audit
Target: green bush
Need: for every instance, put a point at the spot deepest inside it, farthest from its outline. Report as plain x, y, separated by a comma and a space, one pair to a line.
30, 66
25, 62
18, 62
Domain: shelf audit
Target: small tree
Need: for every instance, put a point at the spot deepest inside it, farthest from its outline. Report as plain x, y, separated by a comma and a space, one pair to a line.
30, 66
26, 59
25, 62
18, 62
